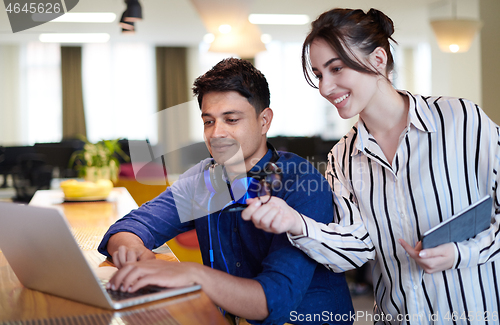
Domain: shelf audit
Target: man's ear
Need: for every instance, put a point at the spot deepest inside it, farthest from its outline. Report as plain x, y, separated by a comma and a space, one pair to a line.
266, 117
378, 59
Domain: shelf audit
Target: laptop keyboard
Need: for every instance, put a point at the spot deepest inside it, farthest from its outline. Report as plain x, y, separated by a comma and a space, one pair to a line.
117, 295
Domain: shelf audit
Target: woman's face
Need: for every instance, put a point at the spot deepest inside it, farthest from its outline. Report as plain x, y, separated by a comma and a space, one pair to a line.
348, 90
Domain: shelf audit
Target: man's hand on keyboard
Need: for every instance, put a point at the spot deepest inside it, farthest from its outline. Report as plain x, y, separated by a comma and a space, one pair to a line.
133, 276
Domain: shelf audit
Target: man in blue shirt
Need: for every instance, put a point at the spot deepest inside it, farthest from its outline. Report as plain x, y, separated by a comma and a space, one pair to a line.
247, 272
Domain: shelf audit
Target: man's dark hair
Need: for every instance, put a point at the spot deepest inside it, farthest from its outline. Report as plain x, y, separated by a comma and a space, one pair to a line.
235, 75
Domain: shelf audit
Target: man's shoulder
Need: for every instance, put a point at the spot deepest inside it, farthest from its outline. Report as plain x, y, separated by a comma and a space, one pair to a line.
197, 170
294, 164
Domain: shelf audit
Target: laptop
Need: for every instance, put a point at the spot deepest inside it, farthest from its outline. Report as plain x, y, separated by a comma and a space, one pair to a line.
39, 246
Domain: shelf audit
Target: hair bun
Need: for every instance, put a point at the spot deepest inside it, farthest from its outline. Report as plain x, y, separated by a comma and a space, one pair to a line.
385, 23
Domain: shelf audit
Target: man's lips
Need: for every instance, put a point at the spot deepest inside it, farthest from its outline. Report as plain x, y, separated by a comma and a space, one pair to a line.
221, 145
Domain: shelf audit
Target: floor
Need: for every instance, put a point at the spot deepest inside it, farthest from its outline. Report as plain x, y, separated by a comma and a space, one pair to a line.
363, 307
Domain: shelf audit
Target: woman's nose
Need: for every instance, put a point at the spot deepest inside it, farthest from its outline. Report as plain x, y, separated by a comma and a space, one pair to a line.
327, 86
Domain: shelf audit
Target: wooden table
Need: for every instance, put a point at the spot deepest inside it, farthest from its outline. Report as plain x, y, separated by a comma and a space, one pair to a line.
89, 222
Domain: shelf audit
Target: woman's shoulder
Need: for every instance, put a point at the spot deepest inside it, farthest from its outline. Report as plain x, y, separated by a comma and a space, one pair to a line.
443, 102
346, 140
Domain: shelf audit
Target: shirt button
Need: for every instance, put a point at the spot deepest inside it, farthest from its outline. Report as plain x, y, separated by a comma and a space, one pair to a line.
415, 287
238, 264
235, 229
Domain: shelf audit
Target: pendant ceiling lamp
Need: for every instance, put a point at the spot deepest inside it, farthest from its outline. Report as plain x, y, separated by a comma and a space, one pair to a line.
133, 12
455, 35
228, 22
127, 26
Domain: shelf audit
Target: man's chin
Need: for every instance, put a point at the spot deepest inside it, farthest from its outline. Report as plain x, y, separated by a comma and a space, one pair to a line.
227, 160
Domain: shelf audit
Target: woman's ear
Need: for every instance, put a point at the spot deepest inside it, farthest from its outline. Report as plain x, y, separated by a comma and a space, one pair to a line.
266, 117
378, 59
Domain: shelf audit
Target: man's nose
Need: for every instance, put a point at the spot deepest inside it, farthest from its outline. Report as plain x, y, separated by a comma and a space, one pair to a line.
219, 130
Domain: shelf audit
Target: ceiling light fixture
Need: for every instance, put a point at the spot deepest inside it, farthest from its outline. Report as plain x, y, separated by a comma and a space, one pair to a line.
266, 38
455, 35
133, 12
275, 19
127, 26
86, 17
225, 29
243, 40
74, 37
208, 38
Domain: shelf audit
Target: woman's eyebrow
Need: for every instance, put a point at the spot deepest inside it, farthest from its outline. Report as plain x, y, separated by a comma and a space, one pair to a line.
326, 64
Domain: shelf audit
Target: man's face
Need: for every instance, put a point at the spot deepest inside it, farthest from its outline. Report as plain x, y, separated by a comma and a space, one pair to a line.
231, 124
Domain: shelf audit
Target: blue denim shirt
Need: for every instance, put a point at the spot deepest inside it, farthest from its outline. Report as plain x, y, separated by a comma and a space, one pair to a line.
297, 289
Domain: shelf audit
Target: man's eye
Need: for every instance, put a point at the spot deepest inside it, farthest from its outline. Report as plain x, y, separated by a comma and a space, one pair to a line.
207, 122
232, 120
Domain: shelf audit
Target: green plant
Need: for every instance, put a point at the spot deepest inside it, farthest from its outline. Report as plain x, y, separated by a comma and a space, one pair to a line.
102, 154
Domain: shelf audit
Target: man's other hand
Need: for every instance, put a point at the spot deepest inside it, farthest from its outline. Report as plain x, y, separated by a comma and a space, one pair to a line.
126, 247
131, 254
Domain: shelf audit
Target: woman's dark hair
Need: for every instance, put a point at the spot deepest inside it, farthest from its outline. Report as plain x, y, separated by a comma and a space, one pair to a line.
235, 75
344, 29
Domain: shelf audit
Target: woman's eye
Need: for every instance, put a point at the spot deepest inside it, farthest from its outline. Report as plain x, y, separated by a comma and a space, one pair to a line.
317, 76
336, 69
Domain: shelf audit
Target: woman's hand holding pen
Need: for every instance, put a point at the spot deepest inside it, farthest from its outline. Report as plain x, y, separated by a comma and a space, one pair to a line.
275, 216
432, 260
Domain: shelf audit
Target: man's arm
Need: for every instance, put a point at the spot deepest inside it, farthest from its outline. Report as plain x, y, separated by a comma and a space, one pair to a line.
239, 296
341, 245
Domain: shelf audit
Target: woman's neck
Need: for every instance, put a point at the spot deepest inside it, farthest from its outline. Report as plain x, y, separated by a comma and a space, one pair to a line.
387, 112
386, 118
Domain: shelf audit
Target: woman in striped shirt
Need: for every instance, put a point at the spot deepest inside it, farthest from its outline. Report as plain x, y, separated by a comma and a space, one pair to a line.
409, 163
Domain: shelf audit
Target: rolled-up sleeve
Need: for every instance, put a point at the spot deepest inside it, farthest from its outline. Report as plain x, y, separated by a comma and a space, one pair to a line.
287, 272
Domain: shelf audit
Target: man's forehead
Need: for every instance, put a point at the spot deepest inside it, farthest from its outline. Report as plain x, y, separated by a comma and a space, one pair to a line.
225, 103
228, 111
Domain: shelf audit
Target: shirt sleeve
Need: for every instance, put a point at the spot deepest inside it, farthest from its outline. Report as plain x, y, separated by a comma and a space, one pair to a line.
341, 245
155, 222
286, 271
485, 246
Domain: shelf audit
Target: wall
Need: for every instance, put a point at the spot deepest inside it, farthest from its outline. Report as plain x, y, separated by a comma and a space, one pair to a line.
10, 118
490, 64
456, 74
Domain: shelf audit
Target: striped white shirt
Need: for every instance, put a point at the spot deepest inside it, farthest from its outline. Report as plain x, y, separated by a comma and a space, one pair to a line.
448, 158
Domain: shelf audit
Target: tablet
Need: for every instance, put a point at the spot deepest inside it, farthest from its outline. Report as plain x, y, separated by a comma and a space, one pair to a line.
462, 226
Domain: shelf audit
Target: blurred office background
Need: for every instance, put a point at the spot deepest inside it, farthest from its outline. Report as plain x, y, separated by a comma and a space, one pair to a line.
119, 77
136, 85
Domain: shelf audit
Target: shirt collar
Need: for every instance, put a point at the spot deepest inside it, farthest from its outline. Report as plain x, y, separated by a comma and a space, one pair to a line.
261, 164
419, 116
